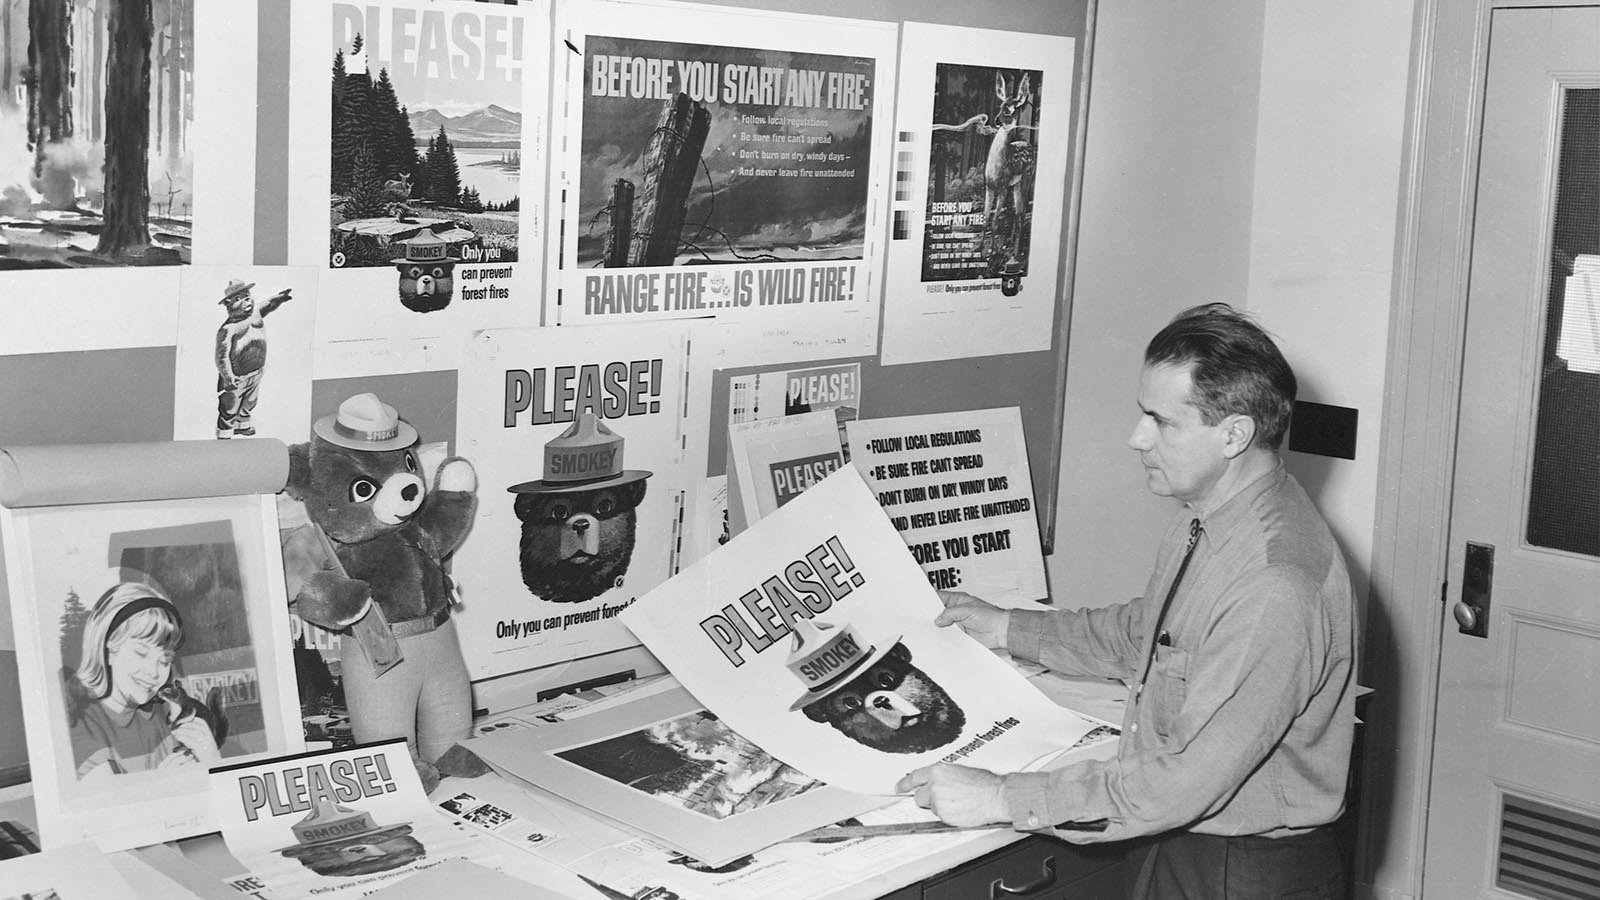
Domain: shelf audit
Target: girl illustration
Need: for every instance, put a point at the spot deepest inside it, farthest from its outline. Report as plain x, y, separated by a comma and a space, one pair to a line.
118, 723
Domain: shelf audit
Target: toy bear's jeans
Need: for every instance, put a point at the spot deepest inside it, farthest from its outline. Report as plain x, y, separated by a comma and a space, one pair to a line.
426, 698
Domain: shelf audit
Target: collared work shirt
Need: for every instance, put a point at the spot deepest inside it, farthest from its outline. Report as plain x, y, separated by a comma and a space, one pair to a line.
1245, 722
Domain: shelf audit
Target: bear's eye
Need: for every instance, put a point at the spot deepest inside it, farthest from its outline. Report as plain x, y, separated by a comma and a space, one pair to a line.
558, 510
887, 679
411, 463
438, 272
363, 489
850, 702
414, 272
605, 506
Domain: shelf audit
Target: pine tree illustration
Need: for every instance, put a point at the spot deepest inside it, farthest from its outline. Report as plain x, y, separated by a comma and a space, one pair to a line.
444, 173
73, 617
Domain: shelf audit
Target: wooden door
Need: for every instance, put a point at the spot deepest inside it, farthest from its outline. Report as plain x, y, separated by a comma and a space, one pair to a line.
1514, 806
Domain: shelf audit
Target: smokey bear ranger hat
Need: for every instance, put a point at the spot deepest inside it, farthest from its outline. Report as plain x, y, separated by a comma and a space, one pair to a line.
235, 288
364, 422
585, 457
825, 662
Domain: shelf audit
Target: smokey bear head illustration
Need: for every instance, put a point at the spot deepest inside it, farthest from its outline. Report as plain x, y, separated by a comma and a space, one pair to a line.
875, 697
579, 521
427, 273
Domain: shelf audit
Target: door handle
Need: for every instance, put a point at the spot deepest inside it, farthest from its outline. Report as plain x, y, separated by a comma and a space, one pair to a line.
1477, 584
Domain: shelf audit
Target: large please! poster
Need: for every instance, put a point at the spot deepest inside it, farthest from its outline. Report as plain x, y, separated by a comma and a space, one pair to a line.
812, 635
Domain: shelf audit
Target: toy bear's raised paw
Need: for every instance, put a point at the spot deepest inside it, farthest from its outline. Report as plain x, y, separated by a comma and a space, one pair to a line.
332, 601
456, 474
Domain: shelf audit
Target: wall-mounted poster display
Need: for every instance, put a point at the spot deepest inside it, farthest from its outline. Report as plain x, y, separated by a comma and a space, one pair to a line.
152, 645
244, 352
984, 124
723, 163
416, 164
586, 466
124, 143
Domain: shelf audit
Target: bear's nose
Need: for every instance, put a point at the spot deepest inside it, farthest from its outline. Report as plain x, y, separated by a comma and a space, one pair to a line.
580, 526
409, 492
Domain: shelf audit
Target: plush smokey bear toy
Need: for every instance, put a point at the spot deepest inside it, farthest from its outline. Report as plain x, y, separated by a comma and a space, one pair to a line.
360, 482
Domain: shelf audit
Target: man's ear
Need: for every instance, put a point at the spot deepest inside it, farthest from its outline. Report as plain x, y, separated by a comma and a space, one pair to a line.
1239, 432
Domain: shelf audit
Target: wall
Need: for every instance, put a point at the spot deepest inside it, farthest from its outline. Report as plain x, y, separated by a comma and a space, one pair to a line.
1328, 151
1168, 177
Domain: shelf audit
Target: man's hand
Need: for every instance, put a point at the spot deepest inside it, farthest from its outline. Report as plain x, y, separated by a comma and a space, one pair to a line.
984, 621
960, 795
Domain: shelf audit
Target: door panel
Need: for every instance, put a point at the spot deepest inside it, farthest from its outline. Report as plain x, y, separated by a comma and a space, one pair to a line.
1517, 728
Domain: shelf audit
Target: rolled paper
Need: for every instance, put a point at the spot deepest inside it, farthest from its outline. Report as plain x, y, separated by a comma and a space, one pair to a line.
75, 474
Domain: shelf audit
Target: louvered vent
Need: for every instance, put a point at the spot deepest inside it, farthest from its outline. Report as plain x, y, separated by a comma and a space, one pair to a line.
1547, 852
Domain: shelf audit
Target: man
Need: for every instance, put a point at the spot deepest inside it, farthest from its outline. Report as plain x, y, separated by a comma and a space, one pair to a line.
1239, 657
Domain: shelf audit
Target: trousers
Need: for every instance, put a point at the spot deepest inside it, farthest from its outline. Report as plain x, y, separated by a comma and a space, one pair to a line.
1187, 866
426, 698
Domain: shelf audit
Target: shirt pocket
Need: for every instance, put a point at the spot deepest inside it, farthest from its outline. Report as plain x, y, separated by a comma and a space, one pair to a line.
1168, 688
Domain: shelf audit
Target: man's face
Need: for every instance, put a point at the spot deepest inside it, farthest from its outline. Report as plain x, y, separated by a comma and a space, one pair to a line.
1183, 457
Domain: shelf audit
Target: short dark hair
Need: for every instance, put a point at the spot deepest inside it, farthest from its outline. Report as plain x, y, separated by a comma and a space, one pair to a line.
1237, 367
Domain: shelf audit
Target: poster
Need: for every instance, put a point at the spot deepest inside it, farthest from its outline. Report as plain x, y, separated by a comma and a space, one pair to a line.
117, 155
336, 824
788, 392
957, 488
812, 635
244, 352
725, 164
581, 439
153, 649
666, 766
416, 164
771, 461
187, 197
984, 124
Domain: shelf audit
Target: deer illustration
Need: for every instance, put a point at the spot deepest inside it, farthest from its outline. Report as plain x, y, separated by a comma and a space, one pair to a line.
396, 193
1010, 158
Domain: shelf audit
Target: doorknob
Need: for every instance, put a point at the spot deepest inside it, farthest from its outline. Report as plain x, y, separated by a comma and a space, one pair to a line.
1477, 583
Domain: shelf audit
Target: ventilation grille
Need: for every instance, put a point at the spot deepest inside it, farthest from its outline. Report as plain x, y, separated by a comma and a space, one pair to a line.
1547, 852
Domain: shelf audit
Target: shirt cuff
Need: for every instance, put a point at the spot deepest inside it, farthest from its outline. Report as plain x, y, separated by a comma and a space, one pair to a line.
1024, 628
1027, 800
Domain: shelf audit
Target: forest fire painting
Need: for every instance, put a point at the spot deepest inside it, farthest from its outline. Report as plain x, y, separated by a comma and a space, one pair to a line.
96, 111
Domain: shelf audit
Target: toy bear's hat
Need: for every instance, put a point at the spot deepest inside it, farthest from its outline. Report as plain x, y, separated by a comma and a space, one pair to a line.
585, 457
426, 247
235, 288
364, 422
825, 662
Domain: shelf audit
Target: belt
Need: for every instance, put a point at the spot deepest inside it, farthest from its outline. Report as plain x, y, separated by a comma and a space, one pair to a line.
413, 627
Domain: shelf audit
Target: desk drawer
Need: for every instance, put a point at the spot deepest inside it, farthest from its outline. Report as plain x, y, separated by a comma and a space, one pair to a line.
1036, 868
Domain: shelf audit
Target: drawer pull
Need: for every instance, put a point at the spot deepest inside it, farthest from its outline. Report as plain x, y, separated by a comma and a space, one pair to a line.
998, 887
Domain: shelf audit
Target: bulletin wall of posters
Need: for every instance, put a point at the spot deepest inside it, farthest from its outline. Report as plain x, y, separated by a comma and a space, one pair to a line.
334, 196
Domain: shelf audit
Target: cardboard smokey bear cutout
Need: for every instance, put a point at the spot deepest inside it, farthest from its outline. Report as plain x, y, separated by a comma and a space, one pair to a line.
875, 697
579, 522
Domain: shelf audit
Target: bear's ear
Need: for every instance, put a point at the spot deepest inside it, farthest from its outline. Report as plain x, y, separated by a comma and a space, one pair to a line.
299, 471
899, 652
816, 712
634, 493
